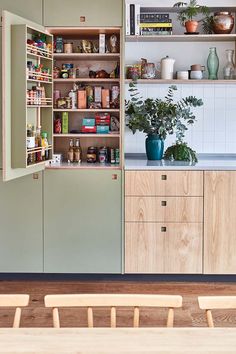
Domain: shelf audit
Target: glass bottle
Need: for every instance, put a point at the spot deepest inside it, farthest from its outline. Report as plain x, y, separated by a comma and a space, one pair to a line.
70, 154
212, 64
229, 68
77, 152
44, 142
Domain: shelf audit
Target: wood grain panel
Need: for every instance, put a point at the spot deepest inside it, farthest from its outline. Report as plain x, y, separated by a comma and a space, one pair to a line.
164, 183
163, 248
220, 222
167, 209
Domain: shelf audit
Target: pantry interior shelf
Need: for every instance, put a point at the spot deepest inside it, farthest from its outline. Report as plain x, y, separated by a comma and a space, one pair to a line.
183, 38
87, 56
175, 81
40, 81
83, 165
38, 106
86, 79
88, 110
81, 135
32, 55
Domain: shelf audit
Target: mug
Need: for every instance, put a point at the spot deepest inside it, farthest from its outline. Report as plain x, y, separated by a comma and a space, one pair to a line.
196, 75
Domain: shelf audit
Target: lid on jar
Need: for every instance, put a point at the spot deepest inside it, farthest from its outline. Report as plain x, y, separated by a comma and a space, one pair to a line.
44, 135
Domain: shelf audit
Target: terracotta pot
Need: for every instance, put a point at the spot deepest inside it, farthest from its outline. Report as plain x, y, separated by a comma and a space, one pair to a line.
223, 22
191, 26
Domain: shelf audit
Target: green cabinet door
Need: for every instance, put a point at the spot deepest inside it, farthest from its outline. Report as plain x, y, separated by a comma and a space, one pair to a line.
31, 9
99, 13
21, 232
82, 221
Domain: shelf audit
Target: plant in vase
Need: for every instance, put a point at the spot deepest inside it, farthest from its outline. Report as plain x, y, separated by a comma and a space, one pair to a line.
158, 117
187, 15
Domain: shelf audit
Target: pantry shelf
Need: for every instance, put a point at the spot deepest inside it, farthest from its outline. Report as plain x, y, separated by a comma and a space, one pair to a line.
81, 135
175, 81
87, 56
37, 149
85, 79
87, 110
36, 56
83, 165
39, 81
38, 106
183, 38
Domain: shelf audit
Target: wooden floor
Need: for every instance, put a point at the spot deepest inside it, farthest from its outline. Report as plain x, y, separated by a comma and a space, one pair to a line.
190, 315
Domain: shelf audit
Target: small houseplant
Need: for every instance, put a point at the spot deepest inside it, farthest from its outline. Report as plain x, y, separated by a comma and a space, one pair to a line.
187, 15
157, 118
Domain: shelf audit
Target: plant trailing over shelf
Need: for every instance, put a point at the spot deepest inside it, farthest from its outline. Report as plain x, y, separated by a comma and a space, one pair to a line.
187, 15
159, 117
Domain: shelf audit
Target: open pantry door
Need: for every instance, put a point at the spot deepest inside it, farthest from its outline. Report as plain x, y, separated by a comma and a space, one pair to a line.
26, 96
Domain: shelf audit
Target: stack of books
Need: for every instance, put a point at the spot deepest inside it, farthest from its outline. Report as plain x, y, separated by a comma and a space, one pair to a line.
146, 21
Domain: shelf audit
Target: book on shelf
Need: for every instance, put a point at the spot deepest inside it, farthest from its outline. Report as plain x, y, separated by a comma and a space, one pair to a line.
153, 17
156, 25
132, 19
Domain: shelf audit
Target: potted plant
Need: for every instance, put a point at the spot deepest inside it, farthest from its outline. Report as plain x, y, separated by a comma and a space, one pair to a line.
157, 118
188, 13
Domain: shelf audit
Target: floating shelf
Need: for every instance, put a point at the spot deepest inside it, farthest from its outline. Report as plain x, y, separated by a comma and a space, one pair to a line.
183, 38
81, 135
87, 56
88, 110
175, 81
85, 79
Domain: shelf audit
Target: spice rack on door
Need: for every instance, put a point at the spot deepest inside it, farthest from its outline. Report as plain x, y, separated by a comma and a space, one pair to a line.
87, 62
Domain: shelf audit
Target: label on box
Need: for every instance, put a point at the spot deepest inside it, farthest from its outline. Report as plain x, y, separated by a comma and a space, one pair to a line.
105, 98
82, 99
102, 129
65, 123
89, 122
88, 129
102, 43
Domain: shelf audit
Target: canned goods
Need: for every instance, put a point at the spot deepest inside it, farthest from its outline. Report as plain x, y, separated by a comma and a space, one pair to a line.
92, 154
67, 66
112, 156
102, 155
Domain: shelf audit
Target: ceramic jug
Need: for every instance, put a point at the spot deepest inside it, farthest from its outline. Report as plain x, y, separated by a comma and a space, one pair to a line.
167, 68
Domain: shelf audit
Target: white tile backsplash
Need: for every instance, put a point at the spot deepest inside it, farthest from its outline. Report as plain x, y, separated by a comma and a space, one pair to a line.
215, 129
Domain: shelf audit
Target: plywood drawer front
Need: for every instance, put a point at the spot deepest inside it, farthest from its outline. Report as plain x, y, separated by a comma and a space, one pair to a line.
163, 248
164, 183
167, 209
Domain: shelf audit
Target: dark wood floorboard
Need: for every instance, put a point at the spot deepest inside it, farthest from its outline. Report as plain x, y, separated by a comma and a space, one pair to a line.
190, 315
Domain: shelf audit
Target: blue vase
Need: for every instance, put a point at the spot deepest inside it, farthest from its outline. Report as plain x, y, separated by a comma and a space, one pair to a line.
154, 147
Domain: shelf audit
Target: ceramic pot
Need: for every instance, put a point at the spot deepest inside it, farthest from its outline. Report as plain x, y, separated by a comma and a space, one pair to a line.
191, 26
154, 147
167, 68
223, 22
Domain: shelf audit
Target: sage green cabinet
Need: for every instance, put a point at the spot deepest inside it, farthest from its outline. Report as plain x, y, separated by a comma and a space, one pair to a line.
31, 9
82, 221
21, 233
97, 13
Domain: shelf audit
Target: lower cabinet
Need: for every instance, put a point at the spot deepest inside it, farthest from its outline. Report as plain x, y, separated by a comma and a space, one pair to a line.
82, 221
21, 232
220, 222
163, 248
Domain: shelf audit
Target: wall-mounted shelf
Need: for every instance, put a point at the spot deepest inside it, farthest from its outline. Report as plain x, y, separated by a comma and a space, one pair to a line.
86, 79
104, 110
183, 38
81, 135
176, 82
87, 56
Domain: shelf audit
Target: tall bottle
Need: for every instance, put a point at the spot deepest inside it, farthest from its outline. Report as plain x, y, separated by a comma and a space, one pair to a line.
213, 64
45, 151
229, 68
77, 152
70, 154
38, 143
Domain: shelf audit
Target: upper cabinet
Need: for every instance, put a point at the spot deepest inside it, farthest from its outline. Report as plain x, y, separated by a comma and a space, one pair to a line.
80, 13
31, 9
27, 96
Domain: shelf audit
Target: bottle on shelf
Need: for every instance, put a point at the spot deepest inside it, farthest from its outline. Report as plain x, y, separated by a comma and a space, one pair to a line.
229, 68
45, 151
77, 152
213, 64
70, 154
38, 143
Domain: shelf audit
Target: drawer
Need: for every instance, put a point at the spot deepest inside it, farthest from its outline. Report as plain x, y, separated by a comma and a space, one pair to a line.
167, 209
164, 183
163, 248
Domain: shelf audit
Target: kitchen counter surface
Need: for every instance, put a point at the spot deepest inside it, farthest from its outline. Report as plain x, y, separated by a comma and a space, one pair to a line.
208, 162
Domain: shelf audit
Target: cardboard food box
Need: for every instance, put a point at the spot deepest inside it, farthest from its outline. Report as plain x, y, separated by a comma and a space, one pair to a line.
65, 123
102, 129
97, 94
82, 99
105, 98
88, 129
102, 43
89, 122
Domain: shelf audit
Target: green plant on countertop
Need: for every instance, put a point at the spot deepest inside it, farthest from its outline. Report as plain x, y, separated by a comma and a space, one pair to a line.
180, 152
160, 117
190, 11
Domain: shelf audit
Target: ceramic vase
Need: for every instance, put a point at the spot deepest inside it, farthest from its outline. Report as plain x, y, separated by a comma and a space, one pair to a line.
154, 147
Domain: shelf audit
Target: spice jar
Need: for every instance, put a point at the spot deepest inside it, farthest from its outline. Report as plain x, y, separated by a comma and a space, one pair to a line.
92, 154
68, 47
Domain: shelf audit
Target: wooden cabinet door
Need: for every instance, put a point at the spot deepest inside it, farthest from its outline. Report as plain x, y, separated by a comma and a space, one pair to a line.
82, 221
31, 9
164, 183
163, 248
220, 222
99, 13
164, 209
21, 234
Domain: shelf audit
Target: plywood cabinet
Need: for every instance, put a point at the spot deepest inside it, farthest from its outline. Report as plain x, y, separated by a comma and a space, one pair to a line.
163, 221
82, 13
163, 247
220, 222
164, 183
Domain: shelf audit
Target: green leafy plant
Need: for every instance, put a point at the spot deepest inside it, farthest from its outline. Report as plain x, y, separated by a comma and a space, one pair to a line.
180, 152
160, 116
207, 24
190, 11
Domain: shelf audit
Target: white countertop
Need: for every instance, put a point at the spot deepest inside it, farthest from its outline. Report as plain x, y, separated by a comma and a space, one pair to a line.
205, 162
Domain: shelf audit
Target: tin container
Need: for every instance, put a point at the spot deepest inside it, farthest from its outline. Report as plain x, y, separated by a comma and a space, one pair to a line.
102, 154
59, 45
92, 154
68, 47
